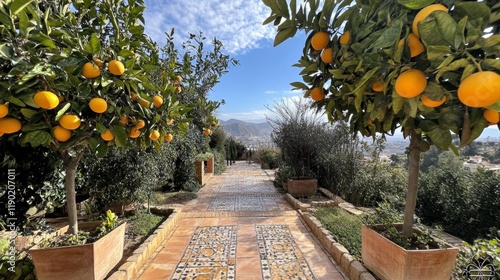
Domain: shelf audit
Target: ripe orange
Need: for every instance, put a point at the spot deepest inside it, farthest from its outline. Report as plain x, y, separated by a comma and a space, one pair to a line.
158, 101
134, 96
61, 134
61, 98
320, 40
213, 123
144, 103
425, 12
140, 124
492, 116
70, 122
4, 110
154, 135
98, 62
432, 103
178, 79
116, 68
98, 105
107, 135
124, 119
410, 83
345, 38
169, 137
317, 94
9, 125
481, 89
377, 86
46, 100
327, 56
178, 89
134, 132
416, 47
90, 70
207, 131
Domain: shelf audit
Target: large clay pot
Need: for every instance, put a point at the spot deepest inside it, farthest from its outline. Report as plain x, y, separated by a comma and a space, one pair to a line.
80, 262
389, 261
303, 187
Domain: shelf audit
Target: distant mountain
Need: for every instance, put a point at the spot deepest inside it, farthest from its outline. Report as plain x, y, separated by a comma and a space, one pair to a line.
255, 134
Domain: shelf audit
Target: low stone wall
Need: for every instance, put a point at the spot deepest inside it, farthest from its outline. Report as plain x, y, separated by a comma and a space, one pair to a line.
129, 269
304, 207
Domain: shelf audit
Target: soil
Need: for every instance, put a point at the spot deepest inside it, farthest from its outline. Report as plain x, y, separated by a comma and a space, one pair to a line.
316, 197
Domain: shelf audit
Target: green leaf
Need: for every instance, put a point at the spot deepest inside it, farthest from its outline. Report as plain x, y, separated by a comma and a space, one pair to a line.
455, 65
63, 110
100, 128
284, 34
438, 29
397, 102
95, 43
18, 5
389, 36
15, 101
34, 127
120, 135
28, 113
495, 106
472, 10
6, 51
491, 44
491, 63
415, 4
102, 149
299, 85
36, 138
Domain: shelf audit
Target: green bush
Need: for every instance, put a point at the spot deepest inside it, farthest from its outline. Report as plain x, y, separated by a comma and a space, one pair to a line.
345, 228
475, 254
144, 223
269, 157
282, 174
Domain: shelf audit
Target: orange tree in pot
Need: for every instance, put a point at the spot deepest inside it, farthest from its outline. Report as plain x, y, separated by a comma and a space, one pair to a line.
427, 68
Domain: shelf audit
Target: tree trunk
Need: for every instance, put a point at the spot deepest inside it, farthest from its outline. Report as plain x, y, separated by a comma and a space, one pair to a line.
70, 165
413, 169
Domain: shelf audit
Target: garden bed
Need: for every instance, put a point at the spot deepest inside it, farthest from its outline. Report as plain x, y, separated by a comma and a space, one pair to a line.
322, 198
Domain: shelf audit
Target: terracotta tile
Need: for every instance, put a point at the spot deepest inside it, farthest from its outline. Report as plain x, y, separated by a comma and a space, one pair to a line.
169, 256
183, 231
249, 277
180, 241
247, 251
209, 222
189, 222
228, 221
156, 272
248, 266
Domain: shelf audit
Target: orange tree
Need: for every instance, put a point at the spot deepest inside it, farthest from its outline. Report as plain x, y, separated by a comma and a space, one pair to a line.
76, 75
430, 68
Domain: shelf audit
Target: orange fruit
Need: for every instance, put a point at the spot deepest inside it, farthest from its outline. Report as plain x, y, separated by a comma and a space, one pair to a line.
317, 94
70, 122
178, 89
9, 125
144, 103
124, 119
134, 96
345, 38
116, 68
424, 13
169, 137
326, 55
410, 83
61, 134
90, 70
170, 121
98, 105
492, 116
98, 62
377, 86
140, 124
46, 100
320, 40
369, 121
61, 98
178, 79
2, 133
158, 101
4, 110
134, 132
481, 89
416, 47
432, 103
207, 131
154, 135
213, 123
107, 135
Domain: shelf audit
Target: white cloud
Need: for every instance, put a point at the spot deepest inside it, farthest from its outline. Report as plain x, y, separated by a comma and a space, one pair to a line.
237, 23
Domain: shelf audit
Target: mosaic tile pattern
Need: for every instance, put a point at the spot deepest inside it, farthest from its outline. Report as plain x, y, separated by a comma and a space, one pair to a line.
236, 203
255, 184
211, 254
279, 255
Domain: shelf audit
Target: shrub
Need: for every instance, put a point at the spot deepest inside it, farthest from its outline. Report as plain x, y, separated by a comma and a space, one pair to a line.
345, 228
282, 174
144, 223
269, 157
482, 253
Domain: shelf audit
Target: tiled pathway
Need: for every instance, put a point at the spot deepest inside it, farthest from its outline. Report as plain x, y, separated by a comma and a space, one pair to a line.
240, 228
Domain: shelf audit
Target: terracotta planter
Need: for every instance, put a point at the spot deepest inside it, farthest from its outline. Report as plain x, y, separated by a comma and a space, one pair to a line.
389, 261
302, 187
80, 262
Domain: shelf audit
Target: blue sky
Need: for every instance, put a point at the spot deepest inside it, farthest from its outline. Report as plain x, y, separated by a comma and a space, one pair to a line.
264, 73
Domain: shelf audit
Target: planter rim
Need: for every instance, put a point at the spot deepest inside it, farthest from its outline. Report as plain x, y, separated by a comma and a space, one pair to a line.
302, 179
37, 247
448, 246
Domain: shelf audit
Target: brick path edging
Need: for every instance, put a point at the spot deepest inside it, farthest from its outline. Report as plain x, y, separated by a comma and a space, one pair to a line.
297, 205
129, 269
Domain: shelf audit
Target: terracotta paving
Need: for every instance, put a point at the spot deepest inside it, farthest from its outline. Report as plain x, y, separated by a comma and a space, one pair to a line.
240, 228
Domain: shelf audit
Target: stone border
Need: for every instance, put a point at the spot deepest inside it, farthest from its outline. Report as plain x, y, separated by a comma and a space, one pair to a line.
134, 263
352, 267
304, 207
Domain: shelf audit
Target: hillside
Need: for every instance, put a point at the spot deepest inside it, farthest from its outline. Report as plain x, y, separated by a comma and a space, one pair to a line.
251, 134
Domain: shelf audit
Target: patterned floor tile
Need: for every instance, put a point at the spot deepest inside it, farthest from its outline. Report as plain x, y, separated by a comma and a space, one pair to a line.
279, 255
236, 203
211, 254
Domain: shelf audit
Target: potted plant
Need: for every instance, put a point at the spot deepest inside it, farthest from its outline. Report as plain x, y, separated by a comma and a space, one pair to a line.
87, 255
426, 68
294, 130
